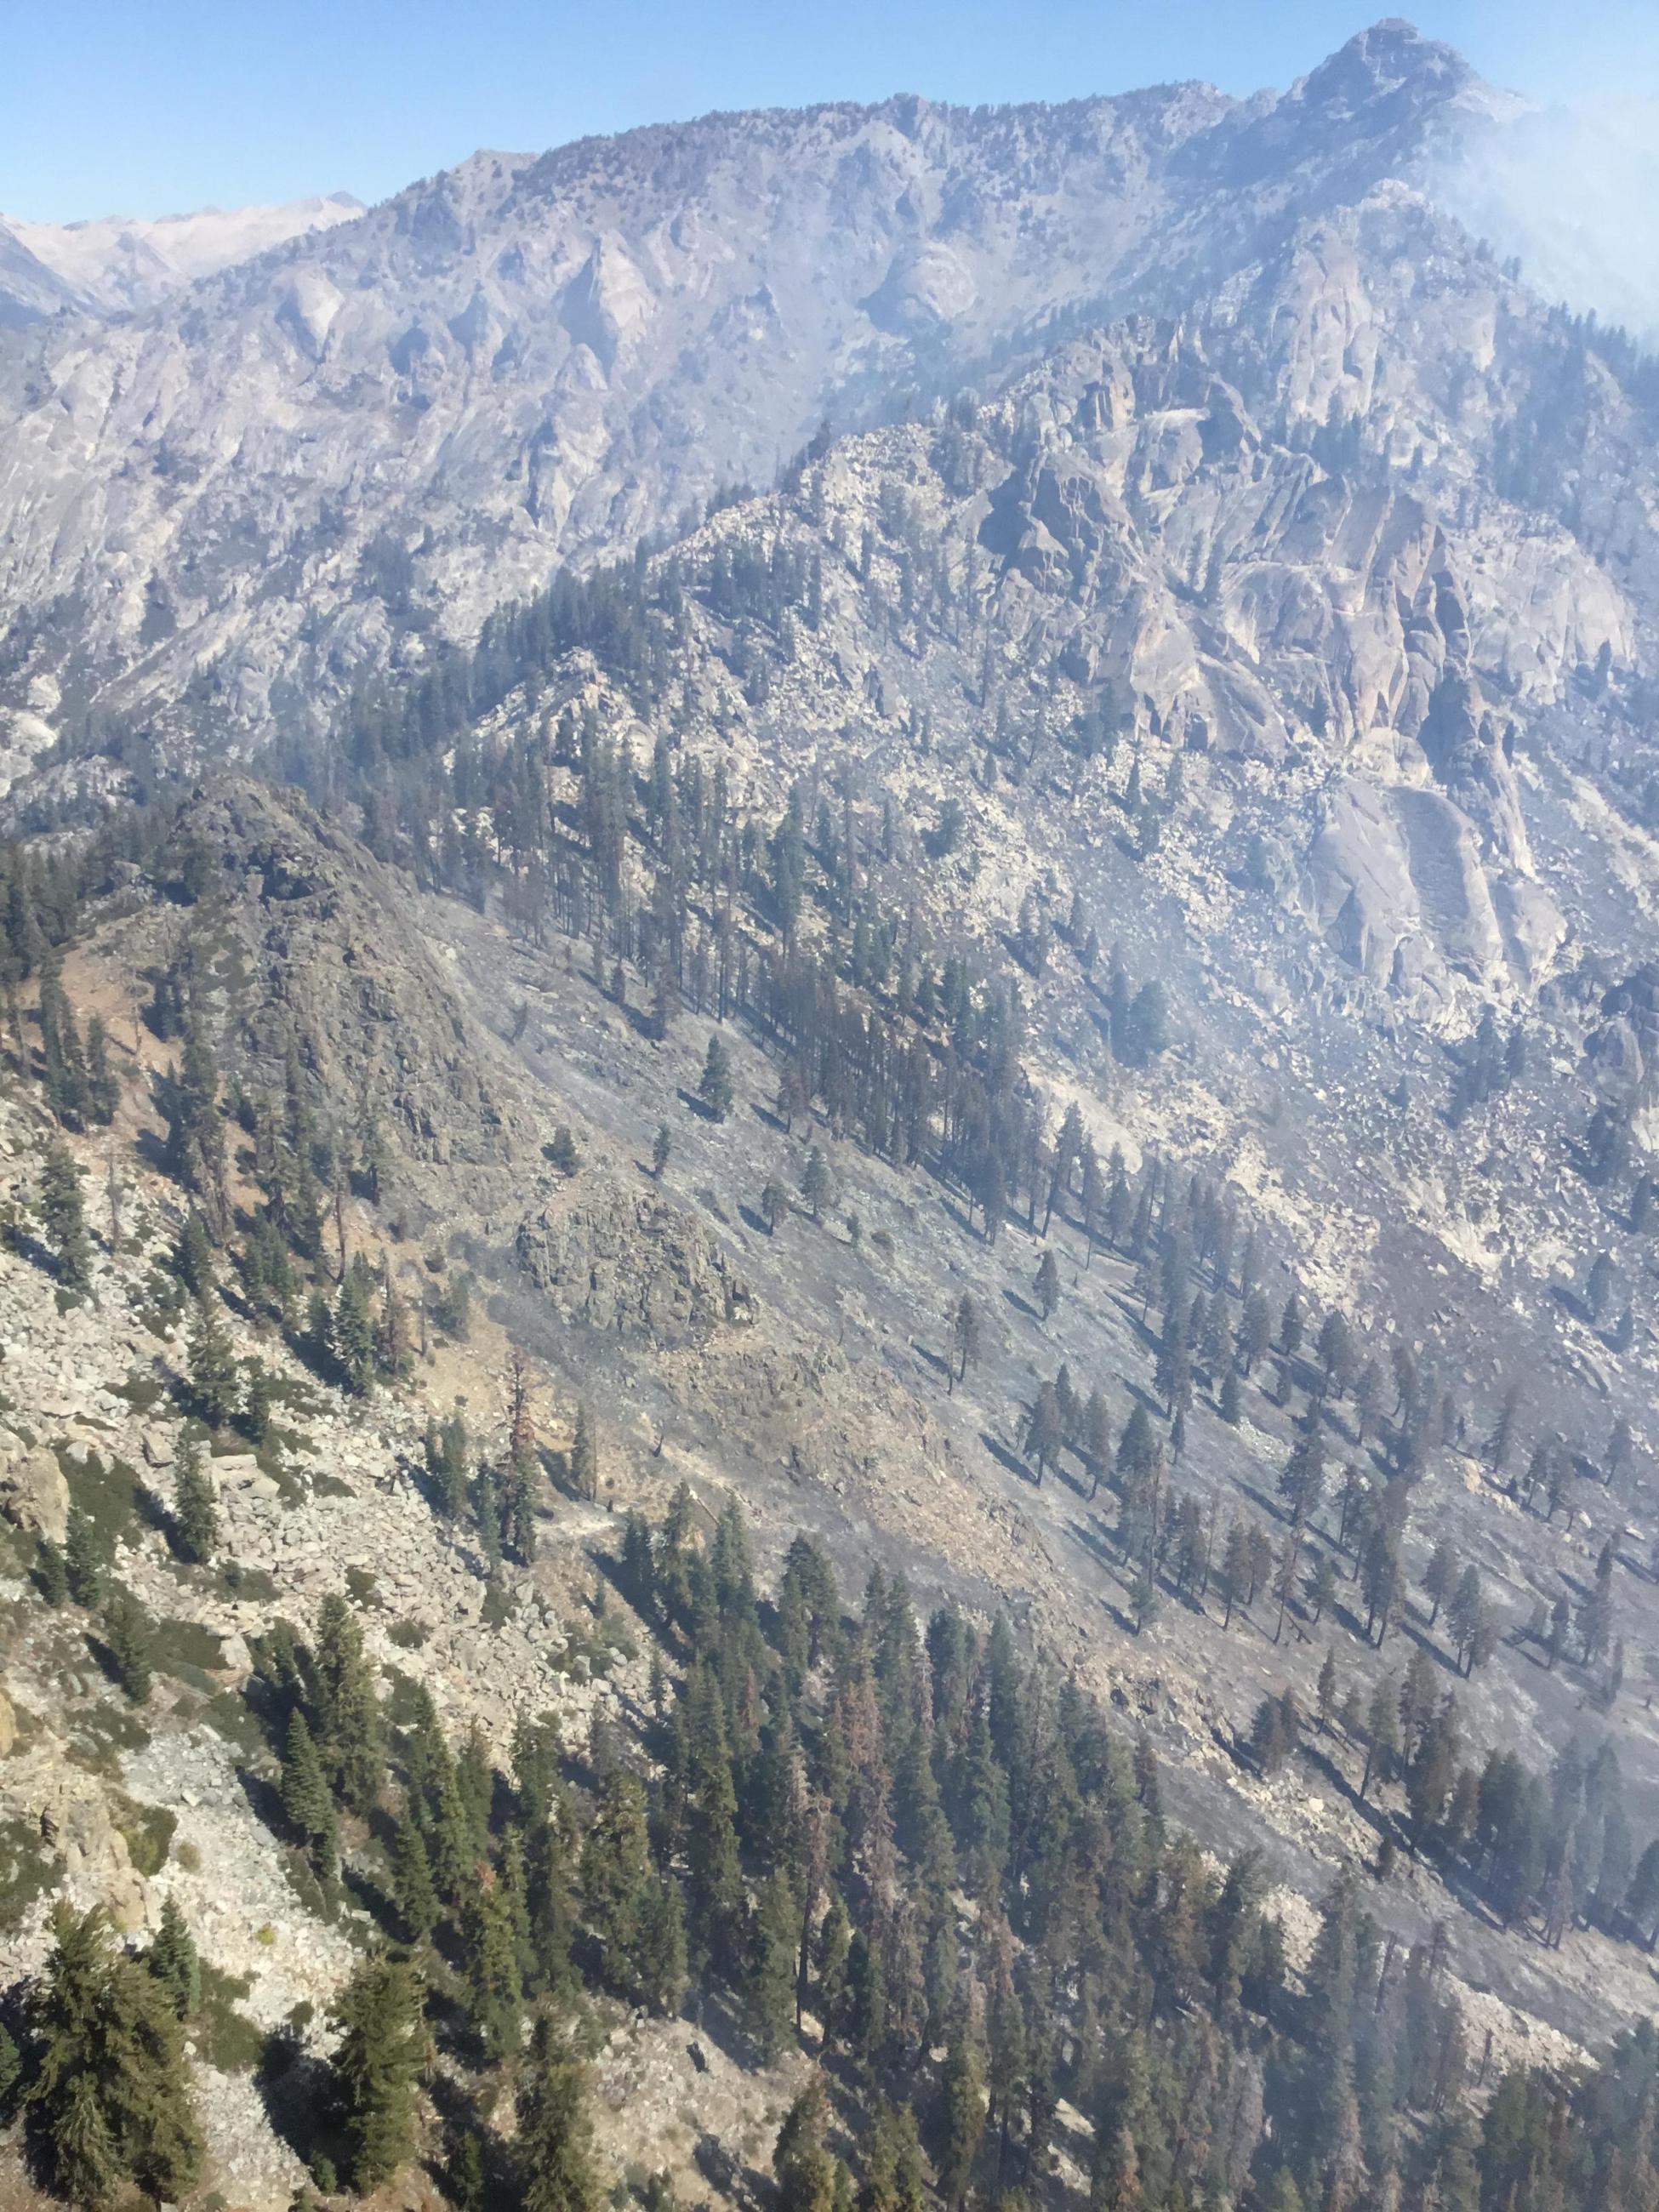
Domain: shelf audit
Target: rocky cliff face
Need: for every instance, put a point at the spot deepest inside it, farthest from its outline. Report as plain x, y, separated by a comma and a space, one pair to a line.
320, 954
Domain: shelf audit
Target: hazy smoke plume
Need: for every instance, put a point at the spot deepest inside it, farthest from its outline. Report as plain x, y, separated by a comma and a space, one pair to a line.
1574, 191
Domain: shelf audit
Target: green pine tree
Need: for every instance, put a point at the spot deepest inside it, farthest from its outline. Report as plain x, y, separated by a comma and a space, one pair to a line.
617, 1878
195, 1509
63, 1216
103, 1091
547, 1878
495, 1987
352, 1331
377, 2066
259, 1397
661, 1955
411, 1880
306, 1802
350, 1727
111, 2095
770, 1981
963, 2119
51, 1573
809, 2178
892, 2163
715, 1085
715, 1885
555, 2135
210, 1362
174, 1961
129, 1637
83, 1559
192, 1256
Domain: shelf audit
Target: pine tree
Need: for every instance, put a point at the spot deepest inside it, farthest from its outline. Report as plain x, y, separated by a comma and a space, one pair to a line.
210, 1362
1327, 1693
446, 1460
173, 1960
450, 1836
83, 1559
129, 1635
411, 1880
584, 1456
964, 1337
519, 1513
514, 1885
715, 1877
192, 1256
660, 1147
195, 1509
769, 1980
350, 1729
308, 1805
1048, 1286
1642, 1897
962, 2119
51, 1573
474, 1787
258, 1396
352, 1331
817, 1185
1116, 2183
1235, 1569
1228, 1403
715, 1085
1382, 1734
111, 2095
1466, 1616
63, 1217
555, 2133
617, 1878
893, 2165
806, 2173
548, 1903
1322, 1589
378, 2065
495, 1984
662, 1953
103, 1091
467, 2187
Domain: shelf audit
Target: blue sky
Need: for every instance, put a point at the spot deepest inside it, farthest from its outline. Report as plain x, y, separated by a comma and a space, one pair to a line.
149, 107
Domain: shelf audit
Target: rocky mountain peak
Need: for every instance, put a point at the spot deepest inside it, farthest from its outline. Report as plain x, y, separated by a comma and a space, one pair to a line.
1390, 56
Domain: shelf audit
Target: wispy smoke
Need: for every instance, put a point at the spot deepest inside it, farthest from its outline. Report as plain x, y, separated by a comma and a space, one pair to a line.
1573, 192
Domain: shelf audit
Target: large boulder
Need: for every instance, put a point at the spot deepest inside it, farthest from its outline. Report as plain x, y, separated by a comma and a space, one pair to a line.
33, 1494
632, 1264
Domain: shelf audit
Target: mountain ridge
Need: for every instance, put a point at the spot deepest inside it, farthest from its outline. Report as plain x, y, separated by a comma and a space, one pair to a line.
503, 363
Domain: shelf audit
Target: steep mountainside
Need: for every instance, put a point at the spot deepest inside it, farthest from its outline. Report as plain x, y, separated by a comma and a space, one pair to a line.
838, 1299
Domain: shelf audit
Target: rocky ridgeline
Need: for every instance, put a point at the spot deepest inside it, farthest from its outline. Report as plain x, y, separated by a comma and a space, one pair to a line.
523, 360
